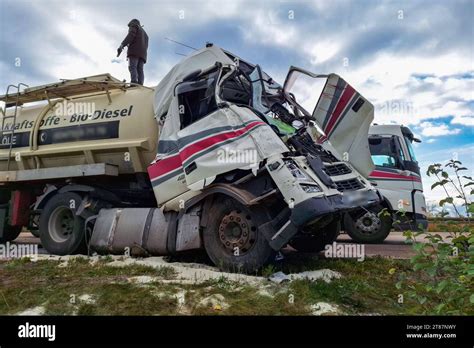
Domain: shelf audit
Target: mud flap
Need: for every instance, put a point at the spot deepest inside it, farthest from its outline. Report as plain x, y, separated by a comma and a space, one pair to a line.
3, 221
284, 234
279, 230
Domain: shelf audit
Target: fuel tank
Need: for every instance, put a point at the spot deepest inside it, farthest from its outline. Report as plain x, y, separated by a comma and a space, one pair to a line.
136, 231
144, 231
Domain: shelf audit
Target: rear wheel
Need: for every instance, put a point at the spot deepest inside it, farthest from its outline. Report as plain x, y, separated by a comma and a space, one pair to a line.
232, 238
368, 226
61, 230
313, 243
10, 233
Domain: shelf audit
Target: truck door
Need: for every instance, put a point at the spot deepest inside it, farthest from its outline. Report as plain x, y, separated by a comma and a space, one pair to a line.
213, 140
418, 203
393, 180
187, 133
343, 115
187, 125
200, 140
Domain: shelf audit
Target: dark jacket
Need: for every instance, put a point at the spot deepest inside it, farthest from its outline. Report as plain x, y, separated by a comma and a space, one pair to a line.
136, 40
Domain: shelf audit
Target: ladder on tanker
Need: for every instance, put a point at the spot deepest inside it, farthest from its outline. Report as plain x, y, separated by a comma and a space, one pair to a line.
10, 132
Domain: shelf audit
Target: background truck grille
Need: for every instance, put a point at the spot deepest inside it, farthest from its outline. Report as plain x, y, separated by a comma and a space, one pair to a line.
337, 169
349, 185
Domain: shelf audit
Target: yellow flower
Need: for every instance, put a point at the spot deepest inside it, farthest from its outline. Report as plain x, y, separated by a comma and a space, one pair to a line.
462, 278
392, 270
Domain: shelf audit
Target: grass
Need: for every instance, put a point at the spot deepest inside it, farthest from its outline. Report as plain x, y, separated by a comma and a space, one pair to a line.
450, 226
366, 287
29, 284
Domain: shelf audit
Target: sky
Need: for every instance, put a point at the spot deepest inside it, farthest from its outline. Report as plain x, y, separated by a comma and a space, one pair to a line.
414, 60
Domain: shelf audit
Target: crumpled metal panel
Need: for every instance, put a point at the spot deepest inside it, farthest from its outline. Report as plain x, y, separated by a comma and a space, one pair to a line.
158, 236
188, 236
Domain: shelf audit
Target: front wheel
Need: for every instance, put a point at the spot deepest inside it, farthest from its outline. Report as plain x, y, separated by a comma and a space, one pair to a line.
314, 243
368, 226
61, 230
232, 239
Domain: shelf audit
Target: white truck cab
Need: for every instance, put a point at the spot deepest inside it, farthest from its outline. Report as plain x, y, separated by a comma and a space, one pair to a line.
397, 177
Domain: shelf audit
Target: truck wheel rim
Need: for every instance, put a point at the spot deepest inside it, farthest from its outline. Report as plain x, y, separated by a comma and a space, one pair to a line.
61, 224
369, 223
237, 232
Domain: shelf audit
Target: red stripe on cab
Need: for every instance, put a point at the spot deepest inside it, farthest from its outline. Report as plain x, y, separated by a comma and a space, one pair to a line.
171, 163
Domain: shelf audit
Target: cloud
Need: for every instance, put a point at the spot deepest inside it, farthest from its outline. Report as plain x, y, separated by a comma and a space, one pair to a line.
386, 55
429, 129
463, 120
416, 68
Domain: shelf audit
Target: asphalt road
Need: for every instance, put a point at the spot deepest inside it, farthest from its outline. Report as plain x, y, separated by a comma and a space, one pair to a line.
394, 246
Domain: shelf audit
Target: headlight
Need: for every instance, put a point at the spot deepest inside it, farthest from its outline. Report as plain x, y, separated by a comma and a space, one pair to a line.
310, 188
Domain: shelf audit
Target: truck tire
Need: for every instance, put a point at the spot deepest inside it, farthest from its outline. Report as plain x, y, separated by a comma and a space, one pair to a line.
314, 243
61, 230
232, 239
10, 233
368, 226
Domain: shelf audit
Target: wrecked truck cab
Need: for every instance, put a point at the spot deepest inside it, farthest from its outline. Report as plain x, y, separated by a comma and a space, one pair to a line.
202, 138
235, 151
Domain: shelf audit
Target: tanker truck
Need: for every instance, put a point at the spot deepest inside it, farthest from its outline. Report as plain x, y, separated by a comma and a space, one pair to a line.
217, 156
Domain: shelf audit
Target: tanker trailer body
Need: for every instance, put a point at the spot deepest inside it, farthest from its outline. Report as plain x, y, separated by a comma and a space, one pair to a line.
239, 182
95, 144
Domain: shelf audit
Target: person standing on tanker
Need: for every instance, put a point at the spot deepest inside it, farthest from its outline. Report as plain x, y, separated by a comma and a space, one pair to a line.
137, 42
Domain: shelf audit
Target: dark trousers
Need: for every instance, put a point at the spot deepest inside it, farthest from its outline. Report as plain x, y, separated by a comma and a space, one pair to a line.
135, 66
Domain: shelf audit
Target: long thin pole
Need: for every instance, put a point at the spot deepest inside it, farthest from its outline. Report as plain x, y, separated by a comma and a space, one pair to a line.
180, 43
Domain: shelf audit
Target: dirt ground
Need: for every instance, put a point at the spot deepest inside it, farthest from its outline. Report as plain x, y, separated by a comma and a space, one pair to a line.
394, 246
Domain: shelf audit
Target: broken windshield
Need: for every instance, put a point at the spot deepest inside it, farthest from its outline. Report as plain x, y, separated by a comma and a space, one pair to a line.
251, 86
304, 88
